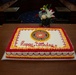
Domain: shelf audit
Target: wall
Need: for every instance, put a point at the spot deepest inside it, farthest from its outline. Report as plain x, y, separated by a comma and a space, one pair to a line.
26, 5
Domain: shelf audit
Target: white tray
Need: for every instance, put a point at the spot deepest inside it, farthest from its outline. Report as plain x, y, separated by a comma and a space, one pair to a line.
4, 58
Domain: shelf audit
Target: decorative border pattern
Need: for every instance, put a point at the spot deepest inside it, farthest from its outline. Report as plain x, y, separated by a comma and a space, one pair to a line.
40, 55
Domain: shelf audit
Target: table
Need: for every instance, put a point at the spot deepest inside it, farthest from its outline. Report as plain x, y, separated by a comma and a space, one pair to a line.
6, 5
11, 15
12, 9
35, 67
61, 13
6, 8
72, 7
62, 9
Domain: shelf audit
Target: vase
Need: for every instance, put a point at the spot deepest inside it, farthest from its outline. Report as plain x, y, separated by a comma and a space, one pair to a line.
46, 22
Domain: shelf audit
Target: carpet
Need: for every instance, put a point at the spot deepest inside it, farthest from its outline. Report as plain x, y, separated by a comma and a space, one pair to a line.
30, 17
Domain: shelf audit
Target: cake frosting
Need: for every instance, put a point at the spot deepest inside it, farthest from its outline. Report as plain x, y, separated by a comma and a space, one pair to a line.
40, 43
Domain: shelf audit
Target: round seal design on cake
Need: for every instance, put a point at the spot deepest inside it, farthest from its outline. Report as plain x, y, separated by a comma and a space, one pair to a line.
40, 35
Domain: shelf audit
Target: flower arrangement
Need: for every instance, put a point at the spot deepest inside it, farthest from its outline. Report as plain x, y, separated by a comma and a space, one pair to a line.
46, 14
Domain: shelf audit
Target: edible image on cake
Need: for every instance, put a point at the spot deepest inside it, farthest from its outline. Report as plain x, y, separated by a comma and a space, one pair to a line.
40, 35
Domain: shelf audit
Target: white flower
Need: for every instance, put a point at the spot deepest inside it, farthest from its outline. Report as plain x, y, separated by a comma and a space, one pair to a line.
49, 13
43, 17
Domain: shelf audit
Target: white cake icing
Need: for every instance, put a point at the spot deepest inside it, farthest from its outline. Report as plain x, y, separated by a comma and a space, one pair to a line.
41, 53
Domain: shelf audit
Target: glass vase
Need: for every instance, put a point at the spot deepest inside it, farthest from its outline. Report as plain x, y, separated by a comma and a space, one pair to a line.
46, 22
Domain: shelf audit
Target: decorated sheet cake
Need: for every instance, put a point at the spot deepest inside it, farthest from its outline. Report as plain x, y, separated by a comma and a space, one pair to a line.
40, 43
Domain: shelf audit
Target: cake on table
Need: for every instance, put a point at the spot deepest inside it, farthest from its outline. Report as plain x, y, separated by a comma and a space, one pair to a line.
40, 43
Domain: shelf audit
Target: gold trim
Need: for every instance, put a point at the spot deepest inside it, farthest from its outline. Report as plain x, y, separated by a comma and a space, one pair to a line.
30, 56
